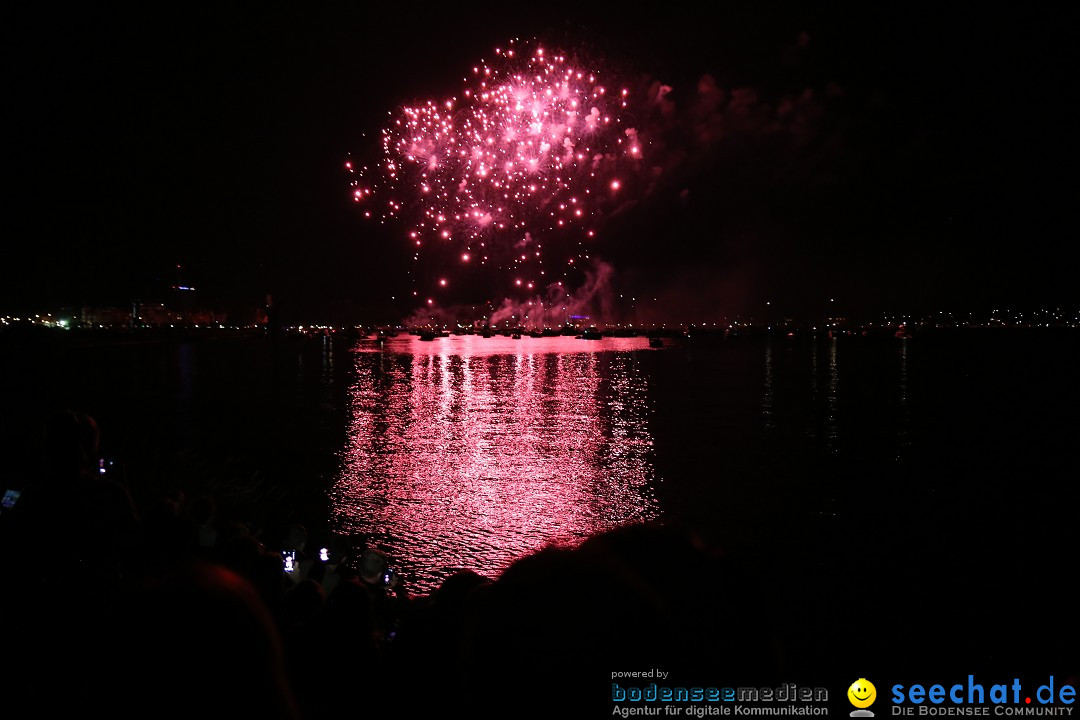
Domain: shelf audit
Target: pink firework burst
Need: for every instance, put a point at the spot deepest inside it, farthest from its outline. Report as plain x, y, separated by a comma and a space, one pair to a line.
516, 167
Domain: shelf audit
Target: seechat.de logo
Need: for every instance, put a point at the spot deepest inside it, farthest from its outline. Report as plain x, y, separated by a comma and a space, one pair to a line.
973, 698
862, 694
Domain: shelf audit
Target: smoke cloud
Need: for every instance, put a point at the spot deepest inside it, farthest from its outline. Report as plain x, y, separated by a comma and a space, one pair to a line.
594, 299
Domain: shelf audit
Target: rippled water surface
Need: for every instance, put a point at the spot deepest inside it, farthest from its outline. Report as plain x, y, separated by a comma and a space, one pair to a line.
469, 452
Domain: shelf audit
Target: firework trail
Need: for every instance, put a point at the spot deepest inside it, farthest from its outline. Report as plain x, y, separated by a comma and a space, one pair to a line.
509, 175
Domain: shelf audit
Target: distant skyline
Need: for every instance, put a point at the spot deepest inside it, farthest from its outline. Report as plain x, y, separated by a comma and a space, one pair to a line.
897, 159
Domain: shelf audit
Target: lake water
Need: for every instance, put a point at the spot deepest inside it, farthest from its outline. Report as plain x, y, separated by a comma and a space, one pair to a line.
468, 452
885, 493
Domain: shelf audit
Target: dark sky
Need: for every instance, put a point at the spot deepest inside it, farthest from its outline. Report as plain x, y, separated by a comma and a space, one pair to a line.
928, 161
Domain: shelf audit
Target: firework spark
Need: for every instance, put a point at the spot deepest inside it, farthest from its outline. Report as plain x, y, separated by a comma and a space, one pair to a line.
511, 174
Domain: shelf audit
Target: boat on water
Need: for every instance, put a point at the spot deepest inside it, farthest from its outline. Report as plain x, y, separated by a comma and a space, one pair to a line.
656, 342
428, 335
590, 334
515, 336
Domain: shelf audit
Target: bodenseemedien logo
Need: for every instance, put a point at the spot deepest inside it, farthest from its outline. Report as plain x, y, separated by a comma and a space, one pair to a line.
675, 700
862, 694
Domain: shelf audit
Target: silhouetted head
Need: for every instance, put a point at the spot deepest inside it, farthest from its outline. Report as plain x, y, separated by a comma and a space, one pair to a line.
348, 608
373, 565
455, 590
267, 579
634, 597
557, 611
240, 553
303, 602
202, 510
199, 643
295, 538
71, 446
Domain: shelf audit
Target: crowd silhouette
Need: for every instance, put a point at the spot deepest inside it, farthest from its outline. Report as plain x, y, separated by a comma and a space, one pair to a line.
172, 609
177, 607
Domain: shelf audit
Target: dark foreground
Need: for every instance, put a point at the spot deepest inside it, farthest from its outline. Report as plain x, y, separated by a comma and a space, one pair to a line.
955, 560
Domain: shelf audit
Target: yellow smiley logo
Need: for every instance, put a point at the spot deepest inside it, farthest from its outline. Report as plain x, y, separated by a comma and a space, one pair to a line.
862, 693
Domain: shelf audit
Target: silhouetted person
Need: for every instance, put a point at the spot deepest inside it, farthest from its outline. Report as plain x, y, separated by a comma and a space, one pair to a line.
167, 531
202, 512
73, 514
294, 542
336, 653
427, 650
558, 622
240, 553
69, 541
197, 642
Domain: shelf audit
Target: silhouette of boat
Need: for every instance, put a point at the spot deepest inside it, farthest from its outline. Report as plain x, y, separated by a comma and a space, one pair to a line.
656, 342
590, 334
428, 335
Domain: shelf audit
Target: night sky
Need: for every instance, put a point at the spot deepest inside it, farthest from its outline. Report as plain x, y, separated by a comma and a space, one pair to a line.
896, 159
